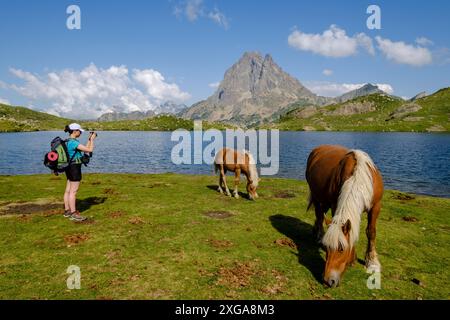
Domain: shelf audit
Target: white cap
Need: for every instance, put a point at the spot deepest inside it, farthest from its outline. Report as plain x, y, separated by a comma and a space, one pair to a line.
75, 126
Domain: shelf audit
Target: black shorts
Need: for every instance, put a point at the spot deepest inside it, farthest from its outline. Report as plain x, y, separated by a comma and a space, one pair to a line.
73, 172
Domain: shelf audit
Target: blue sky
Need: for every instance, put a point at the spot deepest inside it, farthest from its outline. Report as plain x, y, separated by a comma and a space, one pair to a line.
135, 54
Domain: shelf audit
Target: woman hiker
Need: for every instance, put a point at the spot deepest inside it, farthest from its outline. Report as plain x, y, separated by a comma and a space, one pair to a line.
73, 171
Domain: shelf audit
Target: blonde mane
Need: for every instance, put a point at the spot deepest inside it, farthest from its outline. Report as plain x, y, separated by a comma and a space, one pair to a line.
355, 197
252, 168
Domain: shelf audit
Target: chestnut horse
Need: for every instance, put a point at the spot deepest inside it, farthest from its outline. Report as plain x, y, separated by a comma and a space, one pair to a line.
348, 182
238, 162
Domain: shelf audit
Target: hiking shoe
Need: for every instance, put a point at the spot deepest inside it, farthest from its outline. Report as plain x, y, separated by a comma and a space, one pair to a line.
67, 213
75, 216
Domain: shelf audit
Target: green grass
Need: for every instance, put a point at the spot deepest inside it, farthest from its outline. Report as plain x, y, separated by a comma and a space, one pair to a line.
434, 116
150, 239
18, 119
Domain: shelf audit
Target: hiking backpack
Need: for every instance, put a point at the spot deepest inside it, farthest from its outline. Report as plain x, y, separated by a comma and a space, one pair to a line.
57, 159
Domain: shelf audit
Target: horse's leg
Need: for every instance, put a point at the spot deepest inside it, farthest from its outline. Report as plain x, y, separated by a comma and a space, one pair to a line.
237, 175
372, 262
318, 224
224, 180
220, 180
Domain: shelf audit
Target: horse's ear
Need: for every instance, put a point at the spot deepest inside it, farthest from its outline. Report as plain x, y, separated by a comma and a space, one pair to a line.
346, 227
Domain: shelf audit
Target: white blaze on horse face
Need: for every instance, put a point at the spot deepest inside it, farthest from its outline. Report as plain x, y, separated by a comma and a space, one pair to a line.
213, 148
183, 147
274, 158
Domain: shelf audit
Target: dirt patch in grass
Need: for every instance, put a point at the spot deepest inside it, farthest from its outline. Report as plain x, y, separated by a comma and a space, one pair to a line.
219, 243
286, 242
25, 208
218, 214
74, 239
110, 191
278, 285
237, 276
136, 220
410, 219
284, 194
402, 196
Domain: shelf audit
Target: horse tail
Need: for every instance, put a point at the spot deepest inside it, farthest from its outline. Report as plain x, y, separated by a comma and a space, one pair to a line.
355, 196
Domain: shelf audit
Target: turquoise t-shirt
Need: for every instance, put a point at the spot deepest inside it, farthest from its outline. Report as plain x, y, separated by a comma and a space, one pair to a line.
72, 145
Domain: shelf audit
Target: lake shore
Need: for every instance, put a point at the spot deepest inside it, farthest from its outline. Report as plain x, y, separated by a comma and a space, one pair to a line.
172, 236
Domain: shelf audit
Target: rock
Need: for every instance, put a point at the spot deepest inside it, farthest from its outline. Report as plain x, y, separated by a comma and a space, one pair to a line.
413, 119
403, 110
309, 128
305, 112
436, 128
353, 108
418, 96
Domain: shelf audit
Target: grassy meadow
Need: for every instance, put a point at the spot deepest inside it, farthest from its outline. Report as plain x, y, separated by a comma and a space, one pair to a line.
170, 236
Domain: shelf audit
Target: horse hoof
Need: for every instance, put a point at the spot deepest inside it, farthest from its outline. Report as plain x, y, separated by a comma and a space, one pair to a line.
373, 267
236, 196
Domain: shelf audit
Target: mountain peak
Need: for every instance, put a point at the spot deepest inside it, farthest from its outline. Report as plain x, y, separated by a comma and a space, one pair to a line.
253, 89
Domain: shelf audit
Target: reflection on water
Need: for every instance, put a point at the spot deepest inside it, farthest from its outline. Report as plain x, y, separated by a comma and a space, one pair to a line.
411, 162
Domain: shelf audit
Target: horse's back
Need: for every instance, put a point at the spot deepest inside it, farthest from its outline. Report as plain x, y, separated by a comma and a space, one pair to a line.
329, 166
324, 170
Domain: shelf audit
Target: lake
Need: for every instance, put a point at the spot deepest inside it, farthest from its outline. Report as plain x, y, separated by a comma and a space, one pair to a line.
411, 162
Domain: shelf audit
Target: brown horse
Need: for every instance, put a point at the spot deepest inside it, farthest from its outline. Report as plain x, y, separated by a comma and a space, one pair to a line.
348, 182
238, 162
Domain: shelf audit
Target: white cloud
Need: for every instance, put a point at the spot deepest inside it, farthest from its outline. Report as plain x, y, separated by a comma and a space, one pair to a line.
195, 9
4, 101
424, 41
333, 42
403, 53
219, 18
365, 42
92, 91
156, 86
327, 72
331, 89
214, 85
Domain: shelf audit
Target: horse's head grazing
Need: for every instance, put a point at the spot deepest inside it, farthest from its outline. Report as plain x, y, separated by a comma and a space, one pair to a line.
251, 190
338, 257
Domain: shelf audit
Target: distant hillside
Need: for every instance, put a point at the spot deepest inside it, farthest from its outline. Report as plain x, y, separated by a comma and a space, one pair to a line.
16, 119
168, 107
20, 119
156, 123
118, 116
375, 112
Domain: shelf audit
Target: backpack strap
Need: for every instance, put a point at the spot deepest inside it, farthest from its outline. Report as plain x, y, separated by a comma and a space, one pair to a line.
67, 150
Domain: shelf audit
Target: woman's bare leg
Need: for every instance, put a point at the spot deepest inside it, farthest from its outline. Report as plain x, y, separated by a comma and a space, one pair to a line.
66, 197
73, 195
